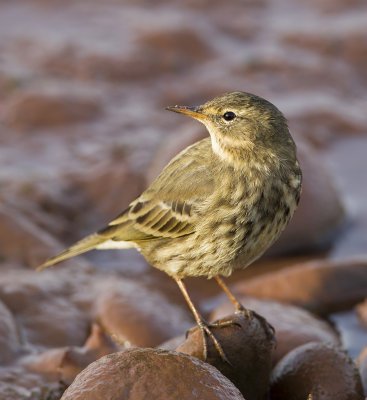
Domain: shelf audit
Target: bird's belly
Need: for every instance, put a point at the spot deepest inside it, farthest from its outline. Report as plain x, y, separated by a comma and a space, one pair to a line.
258, 244
230, 237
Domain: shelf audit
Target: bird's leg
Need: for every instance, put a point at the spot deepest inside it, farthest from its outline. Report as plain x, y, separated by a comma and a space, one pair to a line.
202, 324
240, 309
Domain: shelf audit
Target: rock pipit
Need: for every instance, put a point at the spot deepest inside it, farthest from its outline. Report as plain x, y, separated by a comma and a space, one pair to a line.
218, 205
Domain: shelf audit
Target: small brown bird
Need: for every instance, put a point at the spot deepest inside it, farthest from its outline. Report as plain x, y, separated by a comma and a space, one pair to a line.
218, 205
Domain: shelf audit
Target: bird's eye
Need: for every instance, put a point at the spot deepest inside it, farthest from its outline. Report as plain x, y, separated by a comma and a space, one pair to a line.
229, 116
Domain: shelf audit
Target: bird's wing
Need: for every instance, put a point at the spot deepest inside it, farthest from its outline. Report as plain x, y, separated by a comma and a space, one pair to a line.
148, 220
170, 207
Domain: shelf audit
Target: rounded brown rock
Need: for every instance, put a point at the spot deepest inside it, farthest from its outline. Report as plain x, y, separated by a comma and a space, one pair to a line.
21, 240
44, 309
138, 374
294, 326
41, 110
320, 369
173, 343
321, 286
9, 335
248, 346
18, 384
101, 180
163, 55
64, 363
312, 228
134, 315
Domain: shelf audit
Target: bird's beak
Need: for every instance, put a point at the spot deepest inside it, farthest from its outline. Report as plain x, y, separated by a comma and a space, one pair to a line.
190, 111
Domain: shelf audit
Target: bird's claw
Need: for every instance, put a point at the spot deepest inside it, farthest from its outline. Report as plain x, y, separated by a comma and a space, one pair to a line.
268, 328
225, 324
205, 331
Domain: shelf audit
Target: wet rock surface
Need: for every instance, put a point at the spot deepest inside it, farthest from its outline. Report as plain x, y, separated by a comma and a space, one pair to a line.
148, 373
83, 131
319, 369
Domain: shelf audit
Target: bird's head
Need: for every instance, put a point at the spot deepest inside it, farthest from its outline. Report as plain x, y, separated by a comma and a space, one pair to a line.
239, 122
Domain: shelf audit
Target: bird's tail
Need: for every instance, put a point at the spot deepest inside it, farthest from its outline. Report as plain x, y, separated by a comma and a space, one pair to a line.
84, 245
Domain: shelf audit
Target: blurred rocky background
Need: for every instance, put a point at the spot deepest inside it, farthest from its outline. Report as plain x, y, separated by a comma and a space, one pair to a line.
83, 86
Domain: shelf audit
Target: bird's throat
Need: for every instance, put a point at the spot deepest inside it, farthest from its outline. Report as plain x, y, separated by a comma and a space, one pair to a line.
232, 151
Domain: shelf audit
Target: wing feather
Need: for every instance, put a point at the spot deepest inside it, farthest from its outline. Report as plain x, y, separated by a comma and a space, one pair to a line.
153, 221
169, 208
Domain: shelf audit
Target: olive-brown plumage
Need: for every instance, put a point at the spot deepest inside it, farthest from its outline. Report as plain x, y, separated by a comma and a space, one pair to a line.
220, 203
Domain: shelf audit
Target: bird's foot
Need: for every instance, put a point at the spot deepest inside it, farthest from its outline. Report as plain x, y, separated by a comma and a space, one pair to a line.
225, 324
205, 331
268, 328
